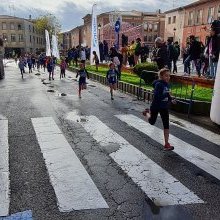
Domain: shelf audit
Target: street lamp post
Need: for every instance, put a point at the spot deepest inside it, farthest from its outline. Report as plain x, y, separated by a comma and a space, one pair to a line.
174, 34
99, 28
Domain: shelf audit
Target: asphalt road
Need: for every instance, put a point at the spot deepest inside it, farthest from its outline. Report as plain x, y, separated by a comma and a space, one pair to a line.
111, 153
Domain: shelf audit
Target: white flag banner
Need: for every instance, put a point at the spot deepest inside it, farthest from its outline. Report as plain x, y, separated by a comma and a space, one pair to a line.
94, 38
48, 50
215, 107
55, 50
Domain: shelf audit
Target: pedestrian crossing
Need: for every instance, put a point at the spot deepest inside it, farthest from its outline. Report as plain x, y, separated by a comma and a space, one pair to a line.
74, 187
201, 159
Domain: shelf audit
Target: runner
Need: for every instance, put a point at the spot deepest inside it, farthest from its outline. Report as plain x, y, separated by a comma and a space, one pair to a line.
82, 73
21, 65
112, 77
160, 104
63, 66
29, 62
50, 68
96, 60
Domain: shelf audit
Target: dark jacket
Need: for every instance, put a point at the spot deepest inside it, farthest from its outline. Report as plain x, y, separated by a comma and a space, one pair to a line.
215, 47
161, 56
170, 51
195, 50
162, 96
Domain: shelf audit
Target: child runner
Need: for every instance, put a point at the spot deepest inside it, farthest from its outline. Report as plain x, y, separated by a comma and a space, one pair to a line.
112, 77
160, 104
50, 68
21, 65
29, 62
96, 60
82, 73
63, 66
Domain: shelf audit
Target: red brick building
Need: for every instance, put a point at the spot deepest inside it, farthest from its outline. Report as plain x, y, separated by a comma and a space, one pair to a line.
146, 25
198, 17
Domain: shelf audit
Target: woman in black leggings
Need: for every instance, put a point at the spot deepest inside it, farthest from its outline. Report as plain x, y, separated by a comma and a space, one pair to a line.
160, 104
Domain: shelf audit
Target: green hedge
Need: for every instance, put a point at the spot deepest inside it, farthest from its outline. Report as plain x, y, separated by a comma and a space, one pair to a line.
148, 71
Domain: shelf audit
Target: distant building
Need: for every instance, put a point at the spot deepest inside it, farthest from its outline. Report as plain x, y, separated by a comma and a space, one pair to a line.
198, 17
145, 25
192, 19
20, 36
174, 24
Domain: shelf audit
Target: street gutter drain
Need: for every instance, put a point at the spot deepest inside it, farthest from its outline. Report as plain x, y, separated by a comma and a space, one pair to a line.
37, 74
63, 94
92, 86
50, 90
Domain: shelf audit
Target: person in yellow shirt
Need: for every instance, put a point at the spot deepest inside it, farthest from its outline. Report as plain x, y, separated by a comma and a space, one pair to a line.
131, 53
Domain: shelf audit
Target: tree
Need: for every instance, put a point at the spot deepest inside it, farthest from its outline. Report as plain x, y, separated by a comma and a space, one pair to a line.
48, 22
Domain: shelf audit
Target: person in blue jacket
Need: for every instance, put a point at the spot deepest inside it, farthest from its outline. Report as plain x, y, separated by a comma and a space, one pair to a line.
83, 74
160, 104
50, 67
112, 77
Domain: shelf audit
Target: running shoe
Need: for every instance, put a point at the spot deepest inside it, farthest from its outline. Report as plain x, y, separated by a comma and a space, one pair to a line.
168, 147
145, 112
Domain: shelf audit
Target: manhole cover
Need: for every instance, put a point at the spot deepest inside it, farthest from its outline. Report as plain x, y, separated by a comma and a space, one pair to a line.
50, 90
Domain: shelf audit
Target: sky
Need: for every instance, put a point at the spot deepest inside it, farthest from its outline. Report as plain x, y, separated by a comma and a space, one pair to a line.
71, 12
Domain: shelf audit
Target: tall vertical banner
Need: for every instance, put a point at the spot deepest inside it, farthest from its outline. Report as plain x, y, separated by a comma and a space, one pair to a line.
94, 38
48, 50
55, 50
215, 107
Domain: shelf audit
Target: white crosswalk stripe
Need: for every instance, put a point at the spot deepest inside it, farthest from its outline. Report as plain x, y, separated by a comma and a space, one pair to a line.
4, 168
161, 187
201, 159
199, 131
74, 188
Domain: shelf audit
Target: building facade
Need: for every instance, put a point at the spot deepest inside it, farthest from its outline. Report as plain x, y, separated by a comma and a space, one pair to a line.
20, 36
174, 23
135, 24
198, 17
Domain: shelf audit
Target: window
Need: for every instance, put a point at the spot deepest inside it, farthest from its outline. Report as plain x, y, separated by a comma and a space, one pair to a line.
21, 37
12, 26
4, 26
19, 27
155, 27
145, 38
169, 20
155, 36
5, 37
174, 19
29, 28
150, 38
30, 39
190, 19
33, 29
13, 38
210, 17
199, 16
